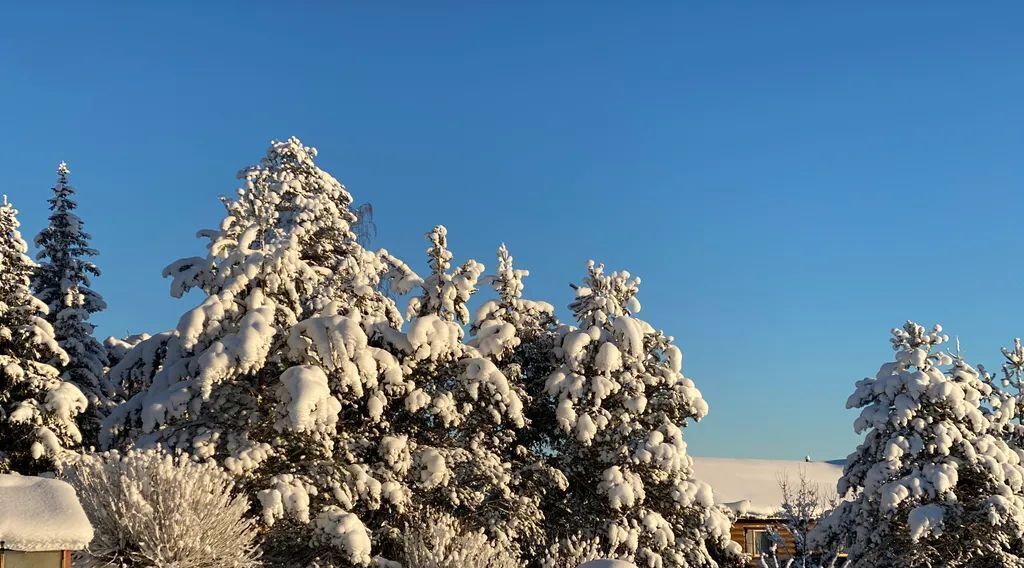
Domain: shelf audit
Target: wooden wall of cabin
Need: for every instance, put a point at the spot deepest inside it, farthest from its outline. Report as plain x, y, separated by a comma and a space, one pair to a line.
740, 530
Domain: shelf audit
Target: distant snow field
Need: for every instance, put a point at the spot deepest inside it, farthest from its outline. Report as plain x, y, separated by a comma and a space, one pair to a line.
750, 487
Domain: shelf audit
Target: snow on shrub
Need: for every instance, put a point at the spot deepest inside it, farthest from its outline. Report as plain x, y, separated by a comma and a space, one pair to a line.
149, 508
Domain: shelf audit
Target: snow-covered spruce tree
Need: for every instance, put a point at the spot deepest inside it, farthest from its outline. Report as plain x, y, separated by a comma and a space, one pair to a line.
1007, 404
622, 402
575, 552
223, 384
930, 485
62, 281
518, 336
37, 409
294, 374
150, 508
1009, 388
460, 422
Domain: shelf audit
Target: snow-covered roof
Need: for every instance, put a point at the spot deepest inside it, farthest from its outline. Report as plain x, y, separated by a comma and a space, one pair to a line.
39, 514
751, 487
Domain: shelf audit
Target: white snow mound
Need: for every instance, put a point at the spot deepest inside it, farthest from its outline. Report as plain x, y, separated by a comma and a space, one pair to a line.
38, 514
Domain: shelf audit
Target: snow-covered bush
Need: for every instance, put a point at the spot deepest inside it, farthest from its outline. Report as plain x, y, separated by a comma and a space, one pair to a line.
620, 402
150, 508
62, 281
438, 540
930, 482
38, 410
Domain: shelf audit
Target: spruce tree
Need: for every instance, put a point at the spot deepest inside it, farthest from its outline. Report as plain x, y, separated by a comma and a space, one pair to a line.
295, 373
1010, 390
1007, 404
63, 281
621, 403
224, 384
486, 400
37, 408
930, 484
518, 336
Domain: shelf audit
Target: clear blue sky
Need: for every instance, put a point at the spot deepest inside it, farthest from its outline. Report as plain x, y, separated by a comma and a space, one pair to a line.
790, 181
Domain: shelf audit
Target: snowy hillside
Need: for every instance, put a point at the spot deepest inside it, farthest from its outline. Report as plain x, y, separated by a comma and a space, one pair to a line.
750, 487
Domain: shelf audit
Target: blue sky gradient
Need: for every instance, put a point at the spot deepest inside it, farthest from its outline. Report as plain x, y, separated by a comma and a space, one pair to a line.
789, 181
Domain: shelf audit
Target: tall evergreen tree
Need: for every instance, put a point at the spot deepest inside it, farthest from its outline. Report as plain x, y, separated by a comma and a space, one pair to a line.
37, 408
621, 403
295, 374
63, 281
518, 336
465, 409
930, 485
224, 384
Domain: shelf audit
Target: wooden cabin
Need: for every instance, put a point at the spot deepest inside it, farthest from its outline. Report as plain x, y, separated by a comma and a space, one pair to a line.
41, 523
750, 490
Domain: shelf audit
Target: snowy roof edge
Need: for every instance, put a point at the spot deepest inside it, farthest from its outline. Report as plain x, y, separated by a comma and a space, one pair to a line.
41, 514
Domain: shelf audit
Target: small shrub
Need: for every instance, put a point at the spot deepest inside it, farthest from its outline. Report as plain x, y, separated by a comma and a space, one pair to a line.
150, 508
